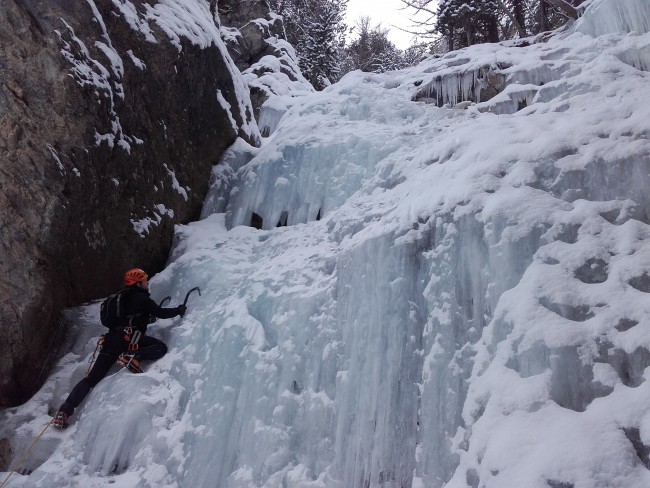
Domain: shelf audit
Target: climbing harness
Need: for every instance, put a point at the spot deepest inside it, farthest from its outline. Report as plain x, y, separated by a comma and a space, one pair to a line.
132, 337
24, 454
135, 338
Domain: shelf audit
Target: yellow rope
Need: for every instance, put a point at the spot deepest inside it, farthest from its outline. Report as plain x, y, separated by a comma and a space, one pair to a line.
24, 455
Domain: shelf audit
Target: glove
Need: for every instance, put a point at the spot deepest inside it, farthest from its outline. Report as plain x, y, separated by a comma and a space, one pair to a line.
181, 310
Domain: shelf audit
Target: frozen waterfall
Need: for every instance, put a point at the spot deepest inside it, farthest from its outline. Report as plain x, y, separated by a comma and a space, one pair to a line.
432, 296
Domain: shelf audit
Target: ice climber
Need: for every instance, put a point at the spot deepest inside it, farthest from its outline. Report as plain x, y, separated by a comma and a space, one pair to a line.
130, 312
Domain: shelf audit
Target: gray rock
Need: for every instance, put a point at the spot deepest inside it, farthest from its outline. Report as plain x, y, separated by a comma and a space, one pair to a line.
109, 127
252, 32
5, 454
238, 13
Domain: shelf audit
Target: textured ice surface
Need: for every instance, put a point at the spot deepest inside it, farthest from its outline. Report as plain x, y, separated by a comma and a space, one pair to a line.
458, 298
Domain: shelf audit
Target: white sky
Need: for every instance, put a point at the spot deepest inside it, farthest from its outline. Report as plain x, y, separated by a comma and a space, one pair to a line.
388, 13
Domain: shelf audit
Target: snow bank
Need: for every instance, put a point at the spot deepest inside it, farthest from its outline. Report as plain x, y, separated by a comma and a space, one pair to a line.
458, 297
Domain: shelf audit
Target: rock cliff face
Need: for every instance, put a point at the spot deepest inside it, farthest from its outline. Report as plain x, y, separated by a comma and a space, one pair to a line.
256, 42
112, 114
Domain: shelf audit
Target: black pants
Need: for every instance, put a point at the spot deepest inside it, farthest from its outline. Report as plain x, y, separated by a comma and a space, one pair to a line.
114, 344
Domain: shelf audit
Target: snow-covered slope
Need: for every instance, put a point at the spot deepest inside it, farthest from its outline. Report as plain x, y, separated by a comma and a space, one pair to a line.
460, 297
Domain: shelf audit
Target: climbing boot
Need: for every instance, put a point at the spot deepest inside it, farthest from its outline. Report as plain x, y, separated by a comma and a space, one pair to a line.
60, 420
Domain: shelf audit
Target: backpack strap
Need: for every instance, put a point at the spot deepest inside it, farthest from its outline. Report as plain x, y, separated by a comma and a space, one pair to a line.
120, 295
118, 306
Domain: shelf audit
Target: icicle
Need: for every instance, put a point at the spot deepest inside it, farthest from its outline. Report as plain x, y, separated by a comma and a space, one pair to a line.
615, 16
269, 119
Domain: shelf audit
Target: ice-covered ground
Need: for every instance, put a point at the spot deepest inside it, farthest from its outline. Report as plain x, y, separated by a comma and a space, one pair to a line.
460, 297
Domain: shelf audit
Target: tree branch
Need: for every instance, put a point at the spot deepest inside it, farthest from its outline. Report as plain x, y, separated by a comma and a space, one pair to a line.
418, 6
568, 9
513, 19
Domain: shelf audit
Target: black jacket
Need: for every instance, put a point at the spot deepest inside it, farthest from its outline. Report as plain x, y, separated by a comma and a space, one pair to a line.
139, 305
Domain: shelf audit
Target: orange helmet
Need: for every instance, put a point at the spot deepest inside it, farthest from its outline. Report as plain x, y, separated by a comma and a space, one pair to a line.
135, 275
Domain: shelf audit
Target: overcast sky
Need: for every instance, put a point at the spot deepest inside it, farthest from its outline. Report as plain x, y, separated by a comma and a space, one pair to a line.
388, 12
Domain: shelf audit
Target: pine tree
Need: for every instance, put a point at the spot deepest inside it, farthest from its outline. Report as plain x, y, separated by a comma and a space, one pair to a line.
316, 29
519, 12
544, 15
465, 22
513, 18
372, 51
415, 53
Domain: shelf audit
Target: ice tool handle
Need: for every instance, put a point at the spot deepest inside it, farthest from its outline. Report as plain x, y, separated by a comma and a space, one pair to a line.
196, 288
187, 296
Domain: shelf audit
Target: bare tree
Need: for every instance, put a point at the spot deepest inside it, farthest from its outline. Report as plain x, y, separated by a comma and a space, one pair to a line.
423, 27
513, 18
566, 8
541, 15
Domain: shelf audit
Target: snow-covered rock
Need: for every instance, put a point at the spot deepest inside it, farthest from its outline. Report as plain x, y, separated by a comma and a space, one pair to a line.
459, 298
256, 41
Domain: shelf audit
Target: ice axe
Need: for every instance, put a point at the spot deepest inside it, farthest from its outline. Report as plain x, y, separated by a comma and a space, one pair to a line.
196, 288
187, 295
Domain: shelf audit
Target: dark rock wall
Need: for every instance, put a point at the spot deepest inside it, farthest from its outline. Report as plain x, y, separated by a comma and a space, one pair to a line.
252, 33
239, 13
108, 134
